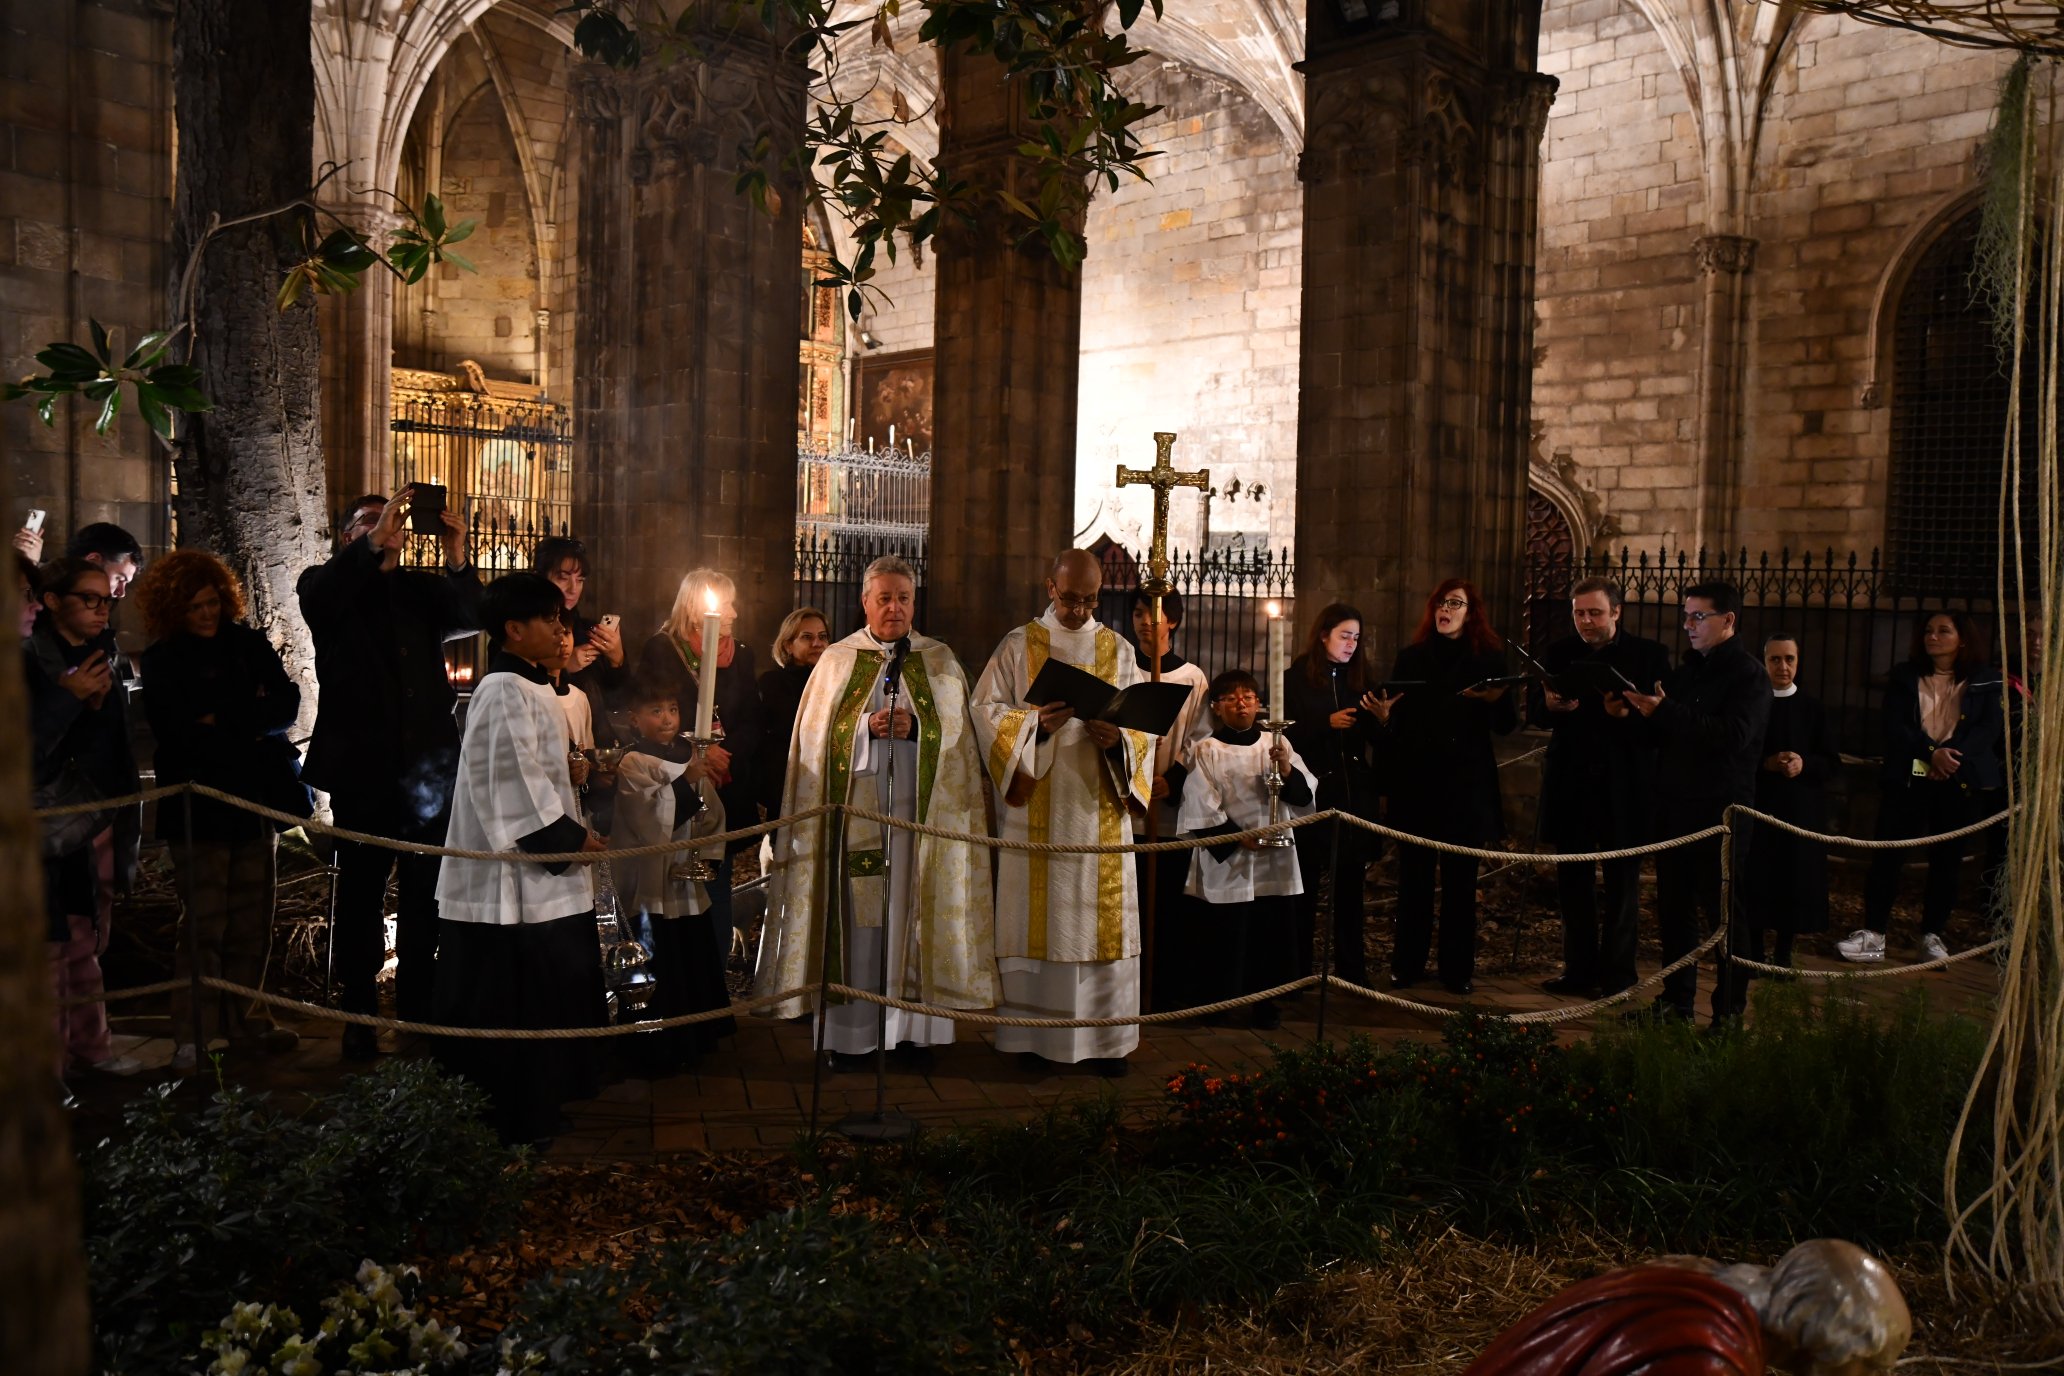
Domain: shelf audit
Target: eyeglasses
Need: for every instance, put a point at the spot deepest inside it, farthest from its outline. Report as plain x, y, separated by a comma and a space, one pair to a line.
1701, 618
1242, 699
1075, 604
1452, 604
91, 601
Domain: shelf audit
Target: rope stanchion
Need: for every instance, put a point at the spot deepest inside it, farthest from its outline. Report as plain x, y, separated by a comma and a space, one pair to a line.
163, 986
977, 1019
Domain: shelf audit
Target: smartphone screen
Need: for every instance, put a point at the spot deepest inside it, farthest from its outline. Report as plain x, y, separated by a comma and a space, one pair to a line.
35, 522
426, 509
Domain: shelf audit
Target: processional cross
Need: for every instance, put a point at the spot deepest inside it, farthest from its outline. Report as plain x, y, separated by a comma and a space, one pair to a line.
1163, 477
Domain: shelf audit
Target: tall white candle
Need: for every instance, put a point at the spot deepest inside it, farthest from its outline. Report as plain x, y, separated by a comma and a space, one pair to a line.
1278, 631
892, 437
706, 667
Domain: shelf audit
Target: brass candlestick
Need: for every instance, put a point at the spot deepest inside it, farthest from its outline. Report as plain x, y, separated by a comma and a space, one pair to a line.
695, 869
1275, 778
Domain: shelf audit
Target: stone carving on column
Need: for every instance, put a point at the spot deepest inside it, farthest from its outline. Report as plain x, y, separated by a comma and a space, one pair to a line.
1350, 130
1728, 253
1447, 143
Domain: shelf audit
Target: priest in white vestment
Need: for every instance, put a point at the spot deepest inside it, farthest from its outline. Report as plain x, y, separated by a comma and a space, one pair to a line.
940, 926
1067, 926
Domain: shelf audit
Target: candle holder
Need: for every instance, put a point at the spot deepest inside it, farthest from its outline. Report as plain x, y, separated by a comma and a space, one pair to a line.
695, 869
1275, 778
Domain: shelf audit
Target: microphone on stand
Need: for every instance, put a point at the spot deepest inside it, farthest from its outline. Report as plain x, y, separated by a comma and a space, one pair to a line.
897, 653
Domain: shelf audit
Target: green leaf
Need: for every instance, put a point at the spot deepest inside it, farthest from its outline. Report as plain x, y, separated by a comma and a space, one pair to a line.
433, 216
346, 252
148, 350
108, 411
458, 260
462, 230
154, 413
101, 347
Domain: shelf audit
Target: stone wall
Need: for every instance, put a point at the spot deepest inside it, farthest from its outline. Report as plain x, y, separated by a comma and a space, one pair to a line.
85, 204
1189, 320
1617, 346
1872, 134
1866, 147
1189, 317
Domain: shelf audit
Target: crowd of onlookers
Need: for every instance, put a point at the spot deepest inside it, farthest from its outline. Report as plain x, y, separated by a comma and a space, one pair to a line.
1644, 746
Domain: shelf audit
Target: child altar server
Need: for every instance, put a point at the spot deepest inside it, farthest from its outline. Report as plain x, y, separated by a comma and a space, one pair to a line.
1244, 926
663, 792
516, 942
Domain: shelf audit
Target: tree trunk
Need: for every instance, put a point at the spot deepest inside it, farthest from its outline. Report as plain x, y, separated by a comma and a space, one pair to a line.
42, 1275
250, 472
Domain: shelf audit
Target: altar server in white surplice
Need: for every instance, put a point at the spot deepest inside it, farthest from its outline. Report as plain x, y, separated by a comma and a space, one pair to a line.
941, 929
1243, 931
1067, 926
516, 943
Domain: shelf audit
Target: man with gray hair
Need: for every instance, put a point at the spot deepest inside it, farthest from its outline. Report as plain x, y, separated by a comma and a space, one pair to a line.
926, 897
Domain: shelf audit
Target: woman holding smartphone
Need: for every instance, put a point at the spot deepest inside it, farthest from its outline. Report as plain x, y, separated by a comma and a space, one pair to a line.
1327, 696
1444, 781
596, 665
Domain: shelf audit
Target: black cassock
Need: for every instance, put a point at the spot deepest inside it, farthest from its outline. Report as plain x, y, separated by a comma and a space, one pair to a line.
1786, 874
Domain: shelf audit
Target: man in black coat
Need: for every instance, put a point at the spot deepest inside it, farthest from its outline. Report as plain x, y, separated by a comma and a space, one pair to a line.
1597, 786
1708, 720
385, 746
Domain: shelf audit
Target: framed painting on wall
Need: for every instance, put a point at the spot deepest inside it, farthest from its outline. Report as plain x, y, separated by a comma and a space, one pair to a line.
896, 389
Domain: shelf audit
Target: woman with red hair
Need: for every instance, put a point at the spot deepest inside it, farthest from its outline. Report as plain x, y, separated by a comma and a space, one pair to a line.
220, 705
1444, 778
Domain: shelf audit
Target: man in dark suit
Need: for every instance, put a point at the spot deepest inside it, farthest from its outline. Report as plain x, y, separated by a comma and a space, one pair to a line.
385, 746
1708, 720
1597, 786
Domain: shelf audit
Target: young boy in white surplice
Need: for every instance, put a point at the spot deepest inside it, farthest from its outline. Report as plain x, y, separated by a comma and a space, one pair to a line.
516, 939
1243, 929
664, 793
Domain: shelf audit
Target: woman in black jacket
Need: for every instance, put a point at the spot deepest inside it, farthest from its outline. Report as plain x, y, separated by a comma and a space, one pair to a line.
220, 706
596, 666
798, 645
1326, 697
1443, 776
1943, 718
81, 736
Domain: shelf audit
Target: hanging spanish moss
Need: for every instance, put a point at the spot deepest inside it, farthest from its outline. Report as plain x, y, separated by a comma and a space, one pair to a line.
2006, 157
2010, 1237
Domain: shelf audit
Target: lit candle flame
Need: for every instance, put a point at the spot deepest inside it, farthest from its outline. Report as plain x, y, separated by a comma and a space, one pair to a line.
709, 600
1275, 609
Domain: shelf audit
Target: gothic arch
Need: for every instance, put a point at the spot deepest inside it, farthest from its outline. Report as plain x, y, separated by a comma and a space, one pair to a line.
1876, 389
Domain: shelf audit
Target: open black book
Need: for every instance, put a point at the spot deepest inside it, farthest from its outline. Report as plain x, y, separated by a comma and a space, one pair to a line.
1591, 676
1148, 707
1498, 681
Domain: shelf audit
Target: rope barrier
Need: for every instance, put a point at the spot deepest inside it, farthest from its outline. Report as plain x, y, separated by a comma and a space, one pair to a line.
1880, 972
1570, 1013
1002, 843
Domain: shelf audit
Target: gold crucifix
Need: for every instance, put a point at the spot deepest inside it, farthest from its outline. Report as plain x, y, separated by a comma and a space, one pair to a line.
1162, 476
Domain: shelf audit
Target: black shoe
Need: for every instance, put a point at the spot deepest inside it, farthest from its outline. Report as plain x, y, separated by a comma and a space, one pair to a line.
1462, 987
1562, 986
1110, 1067
912, 1057
850, 1062
361, 1043
1724, 1024
1400, 981
1265, 1016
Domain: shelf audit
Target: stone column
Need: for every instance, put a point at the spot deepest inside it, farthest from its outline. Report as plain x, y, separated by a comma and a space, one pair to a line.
1008, 336
686, 335
1724, 261
357, 366
1421, 174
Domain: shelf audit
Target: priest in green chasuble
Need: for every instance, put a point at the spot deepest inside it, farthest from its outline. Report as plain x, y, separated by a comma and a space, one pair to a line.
1067, 926
940, 924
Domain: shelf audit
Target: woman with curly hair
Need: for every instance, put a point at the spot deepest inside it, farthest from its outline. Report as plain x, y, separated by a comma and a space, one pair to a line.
220, 705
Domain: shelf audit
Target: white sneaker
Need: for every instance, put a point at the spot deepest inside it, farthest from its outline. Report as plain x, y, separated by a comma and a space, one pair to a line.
1862, 946
1933, 947
184, 1059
